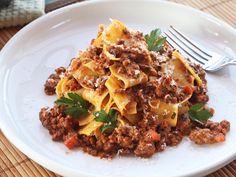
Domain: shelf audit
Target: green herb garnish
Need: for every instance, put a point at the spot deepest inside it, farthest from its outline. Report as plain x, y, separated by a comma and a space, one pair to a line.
154, 40
109, 120
197, 112
76, 106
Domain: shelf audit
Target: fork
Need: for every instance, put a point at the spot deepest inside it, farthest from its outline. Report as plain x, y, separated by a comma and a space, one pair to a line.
209, 60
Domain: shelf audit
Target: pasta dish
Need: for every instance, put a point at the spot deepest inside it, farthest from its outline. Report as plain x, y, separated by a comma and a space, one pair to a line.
130, 94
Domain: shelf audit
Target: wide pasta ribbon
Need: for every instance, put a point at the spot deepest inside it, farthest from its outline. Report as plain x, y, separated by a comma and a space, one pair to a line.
124, 80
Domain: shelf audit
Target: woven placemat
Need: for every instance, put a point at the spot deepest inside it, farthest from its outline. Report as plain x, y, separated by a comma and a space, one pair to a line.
13, 163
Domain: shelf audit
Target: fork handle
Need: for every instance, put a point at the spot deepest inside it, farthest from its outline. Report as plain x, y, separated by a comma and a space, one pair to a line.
230, 62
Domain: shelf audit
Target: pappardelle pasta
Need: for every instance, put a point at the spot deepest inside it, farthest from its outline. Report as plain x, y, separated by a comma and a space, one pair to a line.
129, 93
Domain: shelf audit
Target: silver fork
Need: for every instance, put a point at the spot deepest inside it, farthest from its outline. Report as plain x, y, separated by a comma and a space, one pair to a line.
209, 60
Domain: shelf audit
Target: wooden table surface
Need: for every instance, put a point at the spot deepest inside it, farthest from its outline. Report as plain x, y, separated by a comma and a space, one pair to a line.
13, 163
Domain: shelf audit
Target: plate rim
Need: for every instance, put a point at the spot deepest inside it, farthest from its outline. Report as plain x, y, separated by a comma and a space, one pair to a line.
65, 170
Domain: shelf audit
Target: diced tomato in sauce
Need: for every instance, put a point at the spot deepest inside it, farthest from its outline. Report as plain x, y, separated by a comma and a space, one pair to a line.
71, 142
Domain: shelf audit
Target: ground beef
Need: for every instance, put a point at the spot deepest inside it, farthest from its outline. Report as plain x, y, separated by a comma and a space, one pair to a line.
166, 88
223, 126
131, 69
57, 123
100, 84
128, 140
200, 94
161, 145
174, 138
127, 136
89, 81
148, 69
88, 144
170, 136
149, 121
95, 82
199, 70
124, 152
184, 125
103, 63
158, 58
167, 50
74, 85
145, 149
206, 136
92, 53
142, 94
96, 54
74, 65
134, 49
53, 79
123, 140
212, 133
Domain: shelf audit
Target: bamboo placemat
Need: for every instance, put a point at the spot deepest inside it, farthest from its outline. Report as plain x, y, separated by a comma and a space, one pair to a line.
13, 163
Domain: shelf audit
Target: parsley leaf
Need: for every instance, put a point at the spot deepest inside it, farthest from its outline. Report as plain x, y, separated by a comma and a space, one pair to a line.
76, 106
101, 116
154, 40
107, 128
109, 120
78, 99
196, 107
64, 101
112, 114
197, 112
75, 111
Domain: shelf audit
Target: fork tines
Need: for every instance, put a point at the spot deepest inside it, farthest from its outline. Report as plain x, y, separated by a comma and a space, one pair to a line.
189, 48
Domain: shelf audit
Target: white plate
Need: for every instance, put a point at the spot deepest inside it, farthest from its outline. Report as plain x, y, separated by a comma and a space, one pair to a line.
51, 41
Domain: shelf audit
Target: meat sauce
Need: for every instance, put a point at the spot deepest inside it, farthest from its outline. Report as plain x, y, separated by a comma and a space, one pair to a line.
149, 135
